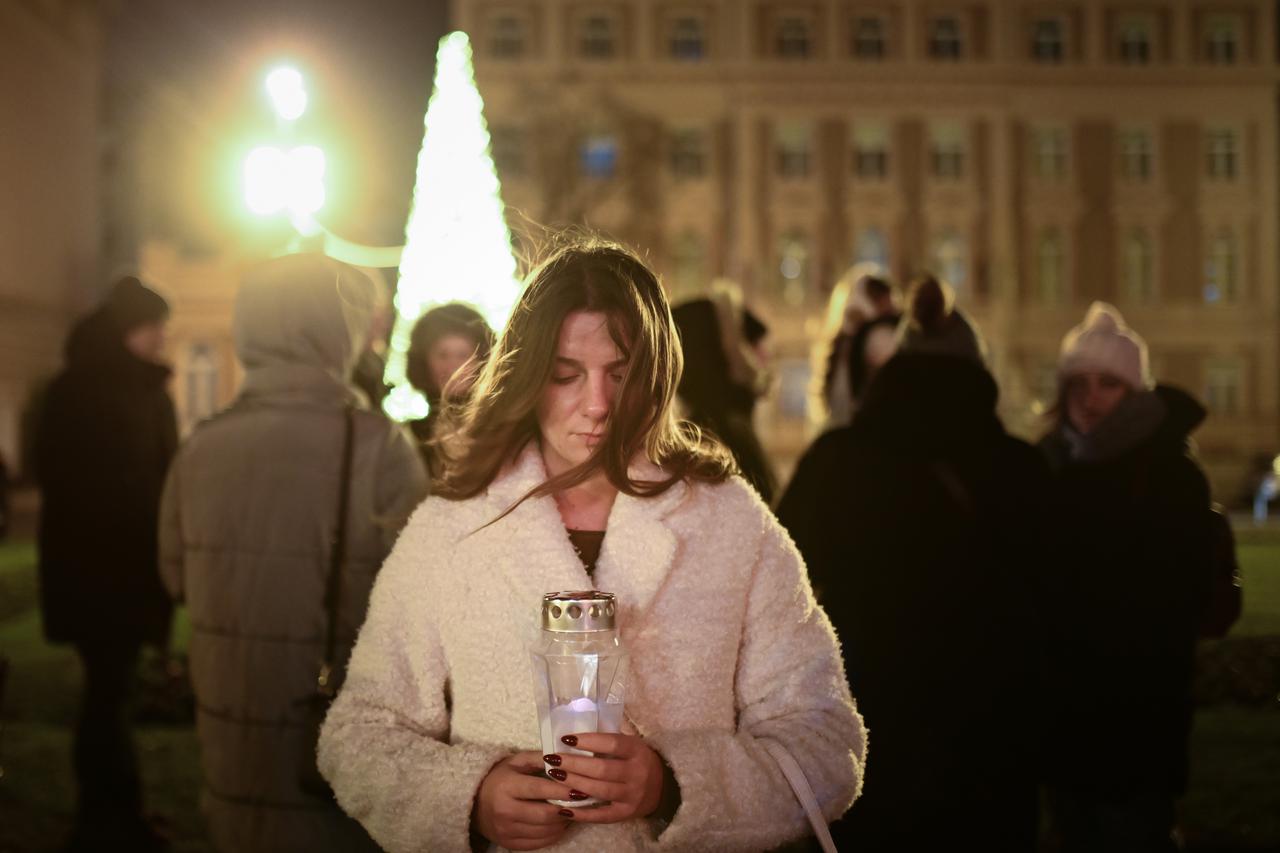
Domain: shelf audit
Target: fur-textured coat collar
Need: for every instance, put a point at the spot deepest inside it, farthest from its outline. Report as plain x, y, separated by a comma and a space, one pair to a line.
634, 559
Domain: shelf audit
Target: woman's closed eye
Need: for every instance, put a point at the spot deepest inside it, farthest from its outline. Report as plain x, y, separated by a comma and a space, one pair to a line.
566, 379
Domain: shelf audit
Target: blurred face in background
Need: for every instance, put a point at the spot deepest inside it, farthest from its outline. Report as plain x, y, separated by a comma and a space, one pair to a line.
147, 342
575, 404
1091, 397
446, 357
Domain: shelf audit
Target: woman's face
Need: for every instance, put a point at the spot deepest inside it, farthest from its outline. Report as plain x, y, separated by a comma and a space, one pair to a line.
1091, 397
445, 357
576, 402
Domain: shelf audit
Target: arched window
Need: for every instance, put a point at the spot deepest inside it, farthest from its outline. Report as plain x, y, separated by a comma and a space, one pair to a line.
1137, 272
872, 248
202, 383
1222, 270
794, 267
951, 260
689, 267
1050, 284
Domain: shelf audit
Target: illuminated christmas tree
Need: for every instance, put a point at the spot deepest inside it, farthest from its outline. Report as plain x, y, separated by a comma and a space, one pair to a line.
457, 245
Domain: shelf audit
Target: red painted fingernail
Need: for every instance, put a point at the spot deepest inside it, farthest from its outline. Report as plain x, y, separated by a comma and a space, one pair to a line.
553, 760
566, 813
558, 775
576, 795
569, 740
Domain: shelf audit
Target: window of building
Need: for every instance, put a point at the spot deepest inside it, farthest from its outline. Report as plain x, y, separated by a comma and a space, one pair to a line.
951, 260
1222, 154
872, 249
508, 37
687, 39
599, 155
1050, 277
598, 36
869, 37
1047, 40
1137, 273
794, 267
794, 145
1222, 39
1222, 269
870, 150
689, 153
1133, 39
794, 36
1049, 145
946, 38
689, 267
507, 145
1135, 154
202, 383
1224, 386
947, 151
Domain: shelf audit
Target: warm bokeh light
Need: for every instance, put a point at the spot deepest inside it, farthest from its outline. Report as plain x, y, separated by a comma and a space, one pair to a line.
276, 180
457, 245
287, 92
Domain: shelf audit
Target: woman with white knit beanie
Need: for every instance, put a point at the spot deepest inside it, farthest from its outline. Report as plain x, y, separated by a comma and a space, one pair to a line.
1131, 509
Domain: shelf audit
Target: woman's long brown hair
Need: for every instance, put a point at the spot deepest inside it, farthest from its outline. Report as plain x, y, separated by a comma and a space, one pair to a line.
499, 417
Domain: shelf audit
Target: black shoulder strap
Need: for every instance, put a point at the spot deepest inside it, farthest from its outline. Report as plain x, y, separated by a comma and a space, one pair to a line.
337, 553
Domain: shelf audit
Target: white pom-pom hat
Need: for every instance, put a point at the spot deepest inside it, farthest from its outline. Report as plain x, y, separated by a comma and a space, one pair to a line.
1104, 343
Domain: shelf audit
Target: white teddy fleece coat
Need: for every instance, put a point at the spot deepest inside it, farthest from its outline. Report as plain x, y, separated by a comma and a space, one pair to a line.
728, 648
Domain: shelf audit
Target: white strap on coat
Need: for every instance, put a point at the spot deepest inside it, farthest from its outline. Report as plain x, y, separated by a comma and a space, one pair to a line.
800, 785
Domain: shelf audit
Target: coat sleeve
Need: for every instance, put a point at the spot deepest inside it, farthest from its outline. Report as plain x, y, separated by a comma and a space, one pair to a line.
170, 535
791, 690
384, 744
401, 483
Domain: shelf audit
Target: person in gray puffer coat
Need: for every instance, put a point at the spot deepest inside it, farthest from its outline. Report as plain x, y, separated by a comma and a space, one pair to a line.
247, 518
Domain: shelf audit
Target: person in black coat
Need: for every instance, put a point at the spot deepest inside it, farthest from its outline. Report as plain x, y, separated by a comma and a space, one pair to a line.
103, 447
1131, 511
723, 377
918, 523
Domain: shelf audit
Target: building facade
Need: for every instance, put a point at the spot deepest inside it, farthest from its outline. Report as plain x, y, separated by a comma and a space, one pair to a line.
1038, 154
49, 85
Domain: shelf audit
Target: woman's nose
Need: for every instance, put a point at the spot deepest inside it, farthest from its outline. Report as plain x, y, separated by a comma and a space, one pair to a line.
597, 398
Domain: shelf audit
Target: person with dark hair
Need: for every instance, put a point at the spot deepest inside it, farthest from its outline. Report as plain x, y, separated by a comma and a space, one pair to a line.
916, 523
447, 347
247, 540
862, 328
105, 437
1132, 525
723, 377
567, 469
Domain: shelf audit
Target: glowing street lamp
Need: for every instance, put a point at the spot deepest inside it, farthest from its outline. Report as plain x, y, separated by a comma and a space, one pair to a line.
286, 179
287, 92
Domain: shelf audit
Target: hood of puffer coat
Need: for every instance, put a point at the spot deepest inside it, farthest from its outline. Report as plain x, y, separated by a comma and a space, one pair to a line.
304, 309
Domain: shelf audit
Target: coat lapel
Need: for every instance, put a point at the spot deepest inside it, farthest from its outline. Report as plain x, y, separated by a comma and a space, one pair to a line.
538, 557
639, 546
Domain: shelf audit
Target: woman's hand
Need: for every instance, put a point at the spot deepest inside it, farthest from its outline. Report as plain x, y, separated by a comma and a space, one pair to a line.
510, 807
623, 770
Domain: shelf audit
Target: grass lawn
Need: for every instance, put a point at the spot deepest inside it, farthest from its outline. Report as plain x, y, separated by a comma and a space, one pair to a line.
1233, 804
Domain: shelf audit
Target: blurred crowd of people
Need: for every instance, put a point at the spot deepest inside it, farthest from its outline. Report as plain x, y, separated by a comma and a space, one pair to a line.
1013, 618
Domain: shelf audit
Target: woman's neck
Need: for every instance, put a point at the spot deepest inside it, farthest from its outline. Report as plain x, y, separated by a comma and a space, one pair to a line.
586, 506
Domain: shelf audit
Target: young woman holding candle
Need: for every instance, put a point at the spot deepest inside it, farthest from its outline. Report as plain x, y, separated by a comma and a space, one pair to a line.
568, 470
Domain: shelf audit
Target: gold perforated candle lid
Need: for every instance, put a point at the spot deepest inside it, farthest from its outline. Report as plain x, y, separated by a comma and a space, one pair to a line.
579, 612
